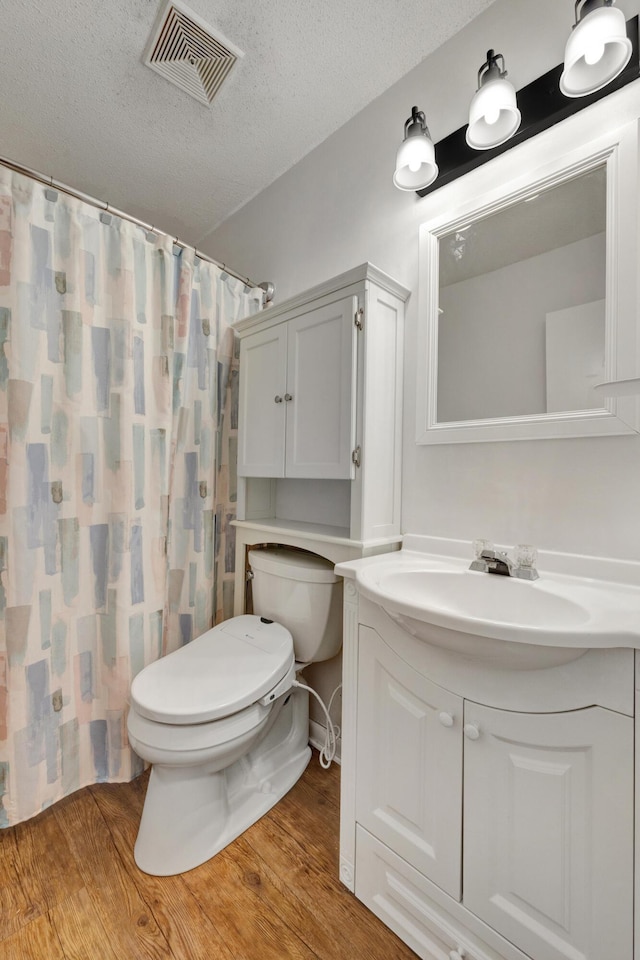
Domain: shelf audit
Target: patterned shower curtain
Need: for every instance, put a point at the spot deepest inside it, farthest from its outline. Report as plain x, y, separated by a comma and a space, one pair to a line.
117, 374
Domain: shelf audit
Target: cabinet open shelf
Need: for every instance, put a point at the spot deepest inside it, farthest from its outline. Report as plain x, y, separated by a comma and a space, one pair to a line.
317, 531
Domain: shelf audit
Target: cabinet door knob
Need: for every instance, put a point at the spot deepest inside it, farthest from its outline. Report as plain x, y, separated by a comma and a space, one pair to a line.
471, 731
277, 399
288, 397
445, 719
458, 954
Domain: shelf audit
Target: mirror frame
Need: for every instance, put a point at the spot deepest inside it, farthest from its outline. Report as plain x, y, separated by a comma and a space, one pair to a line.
472, 198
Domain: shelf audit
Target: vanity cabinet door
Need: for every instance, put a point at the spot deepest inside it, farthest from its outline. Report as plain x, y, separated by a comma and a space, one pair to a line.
548, 830
263, 384
409, 763
321, 384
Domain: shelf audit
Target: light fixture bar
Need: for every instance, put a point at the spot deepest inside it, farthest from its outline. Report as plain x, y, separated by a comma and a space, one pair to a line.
541, 105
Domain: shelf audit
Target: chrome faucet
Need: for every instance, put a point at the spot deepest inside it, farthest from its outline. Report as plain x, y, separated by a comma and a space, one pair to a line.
490, 560
494, 561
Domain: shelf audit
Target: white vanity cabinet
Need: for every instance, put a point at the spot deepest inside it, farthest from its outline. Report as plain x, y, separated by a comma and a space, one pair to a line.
297, 396
548, 829
409, 731
487, 813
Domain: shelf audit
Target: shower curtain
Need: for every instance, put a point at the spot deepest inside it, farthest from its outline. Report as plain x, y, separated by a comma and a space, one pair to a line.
117, 452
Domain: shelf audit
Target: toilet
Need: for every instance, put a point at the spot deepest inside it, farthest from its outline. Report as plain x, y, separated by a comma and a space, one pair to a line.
219, 719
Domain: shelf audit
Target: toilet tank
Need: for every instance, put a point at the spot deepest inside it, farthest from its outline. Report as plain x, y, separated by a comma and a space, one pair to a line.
300, 591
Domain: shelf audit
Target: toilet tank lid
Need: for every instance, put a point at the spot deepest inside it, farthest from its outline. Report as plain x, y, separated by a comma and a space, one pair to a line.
293, 564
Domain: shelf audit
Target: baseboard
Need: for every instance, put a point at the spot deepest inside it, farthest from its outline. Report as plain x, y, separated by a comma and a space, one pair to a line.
317, 734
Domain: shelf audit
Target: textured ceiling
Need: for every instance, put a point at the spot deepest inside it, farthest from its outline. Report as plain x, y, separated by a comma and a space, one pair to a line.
78, 104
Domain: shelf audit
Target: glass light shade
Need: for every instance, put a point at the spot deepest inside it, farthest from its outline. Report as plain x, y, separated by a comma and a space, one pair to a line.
415, 163
493, 115
596, 52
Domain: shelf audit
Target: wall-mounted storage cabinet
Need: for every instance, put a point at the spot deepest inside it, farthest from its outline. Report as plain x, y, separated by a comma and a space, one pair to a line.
320, 412
298, 396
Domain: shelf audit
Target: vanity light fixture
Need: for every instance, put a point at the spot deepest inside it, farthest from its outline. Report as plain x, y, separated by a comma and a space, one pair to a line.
597, 50
609, 60
493, 115
416, 166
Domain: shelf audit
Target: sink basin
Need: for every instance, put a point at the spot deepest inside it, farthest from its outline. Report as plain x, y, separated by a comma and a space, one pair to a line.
486, 597
509, 622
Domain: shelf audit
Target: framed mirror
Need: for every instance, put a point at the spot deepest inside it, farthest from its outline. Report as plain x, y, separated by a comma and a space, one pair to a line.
528, 299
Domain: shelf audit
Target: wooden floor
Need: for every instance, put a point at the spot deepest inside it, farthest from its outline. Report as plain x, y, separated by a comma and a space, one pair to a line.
70, 890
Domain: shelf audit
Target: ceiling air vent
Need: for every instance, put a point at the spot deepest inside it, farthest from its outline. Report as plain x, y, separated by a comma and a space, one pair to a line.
185, 50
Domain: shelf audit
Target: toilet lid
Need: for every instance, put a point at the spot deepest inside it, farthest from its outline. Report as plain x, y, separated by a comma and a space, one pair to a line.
224, 670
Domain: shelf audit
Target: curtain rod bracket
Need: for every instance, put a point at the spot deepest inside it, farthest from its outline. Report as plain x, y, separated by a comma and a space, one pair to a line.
269, 289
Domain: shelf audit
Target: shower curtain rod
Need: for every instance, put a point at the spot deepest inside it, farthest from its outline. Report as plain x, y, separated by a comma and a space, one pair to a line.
267, 287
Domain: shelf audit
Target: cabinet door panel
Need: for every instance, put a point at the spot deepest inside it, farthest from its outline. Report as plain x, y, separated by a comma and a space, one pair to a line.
409, 769
321, 382
263, 358
548, 830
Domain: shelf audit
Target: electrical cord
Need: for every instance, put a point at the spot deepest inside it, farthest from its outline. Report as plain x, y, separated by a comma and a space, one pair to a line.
328, 752
337, 729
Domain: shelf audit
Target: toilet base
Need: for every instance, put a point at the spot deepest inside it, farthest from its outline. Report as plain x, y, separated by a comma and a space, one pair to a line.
190, 814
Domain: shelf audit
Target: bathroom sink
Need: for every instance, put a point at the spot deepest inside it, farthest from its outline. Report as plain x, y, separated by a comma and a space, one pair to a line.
509, 622
489, 598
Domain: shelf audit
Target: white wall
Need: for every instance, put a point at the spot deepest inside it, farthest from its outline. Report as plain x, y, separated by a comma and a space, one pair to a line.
338, 207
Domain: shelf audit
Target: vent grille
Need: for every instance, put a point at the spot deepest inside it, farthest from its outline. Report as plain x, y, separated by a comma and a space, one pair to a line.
184, 50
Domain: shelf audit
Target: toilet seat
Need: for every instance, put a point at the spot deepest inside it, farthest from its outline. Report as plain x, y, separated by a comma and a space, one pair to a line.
220, 673
189, 740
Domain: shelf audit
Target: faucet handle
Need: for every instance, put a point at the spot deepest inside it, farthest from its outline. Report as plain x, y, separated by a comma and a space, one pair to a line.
481, 547
526, 555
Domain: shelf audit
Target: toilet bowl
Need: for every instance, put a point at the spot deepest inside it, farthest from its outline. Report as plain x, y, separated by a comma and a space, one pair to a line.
220, 721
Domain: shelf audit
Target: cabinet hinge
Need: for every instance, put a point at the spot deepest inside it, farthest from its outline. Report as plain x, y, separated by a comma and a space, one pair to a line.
356, 456
359, 318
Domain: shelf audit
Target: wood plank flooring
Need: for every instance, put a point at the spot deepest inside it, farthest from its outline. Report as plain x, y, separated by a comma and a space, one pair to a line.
70, 890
